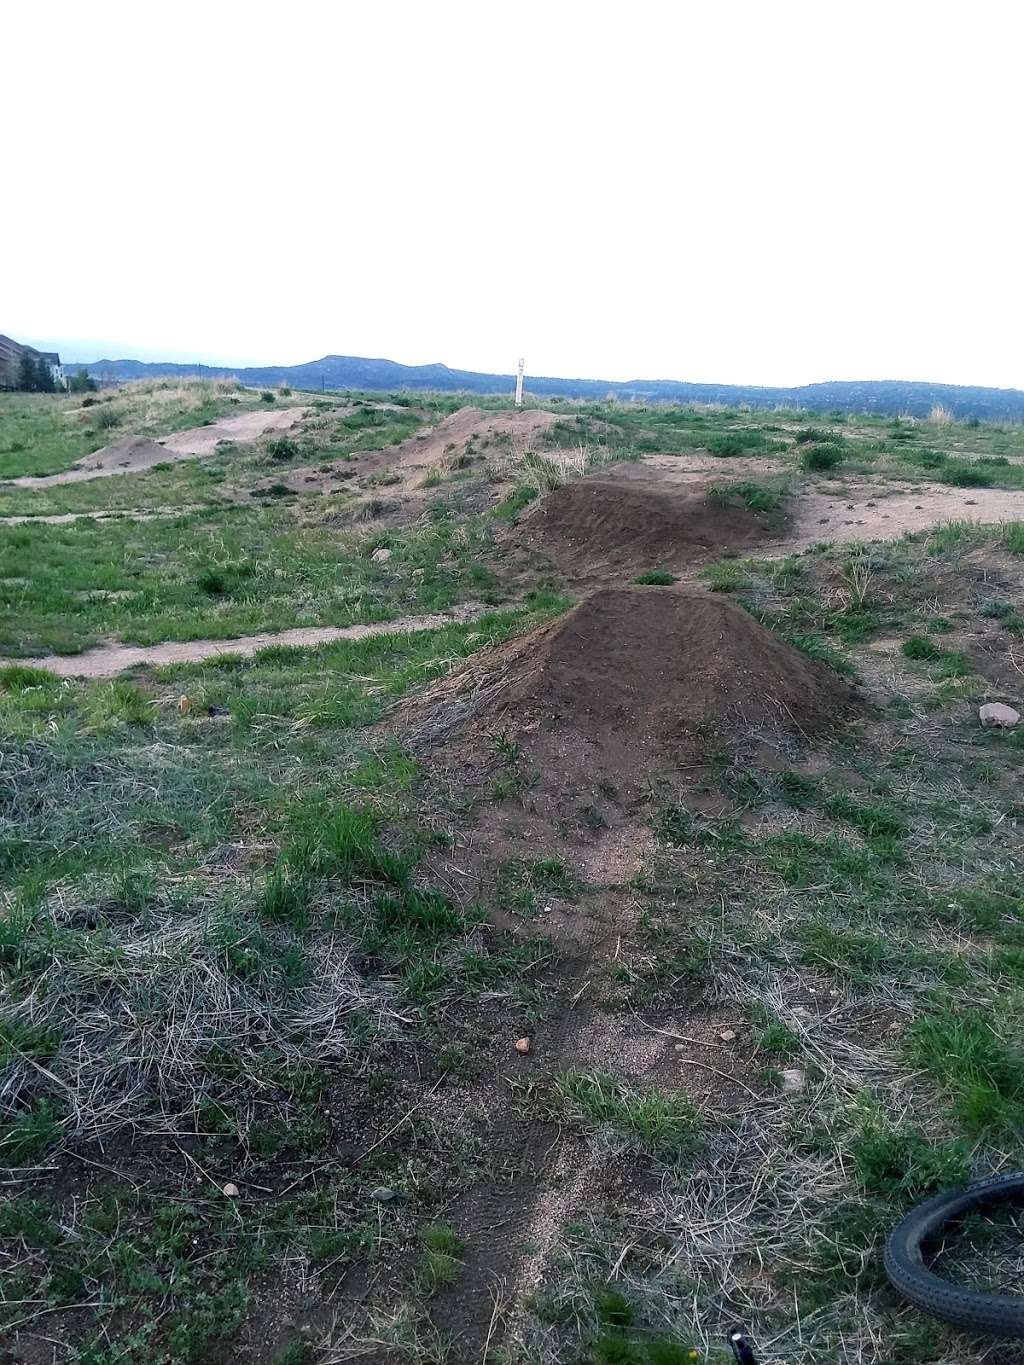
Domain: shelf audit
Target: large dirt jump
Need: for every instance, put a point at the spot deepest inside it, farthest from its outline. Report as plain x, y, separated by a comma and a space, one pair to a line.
467, 435
625, 524
133, 454
637, 681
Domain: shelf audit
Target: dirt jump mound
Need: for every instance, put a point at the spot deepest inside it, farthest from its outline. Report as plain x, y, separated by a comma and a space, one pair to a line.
636, 681
626, 523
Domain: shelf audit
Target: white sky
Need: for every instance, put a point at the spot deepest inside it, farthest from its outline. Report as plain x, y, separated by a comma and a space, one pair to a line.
768, 192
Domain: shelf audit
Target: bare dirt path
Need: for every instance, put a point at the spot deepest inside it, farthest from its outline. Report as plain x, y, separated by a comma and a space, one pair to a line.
106, 661
133, 454
63, 518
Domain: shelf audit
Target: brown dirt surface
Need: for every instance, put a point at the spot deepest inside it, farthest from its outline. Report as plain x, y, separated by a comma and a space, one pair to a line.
846, 508
636, 681
242, 426
626, 524
106, 661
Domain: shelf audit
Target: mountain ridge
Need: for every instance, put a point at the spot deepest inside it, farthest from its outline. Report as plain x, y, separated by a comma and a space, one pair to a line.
891, 397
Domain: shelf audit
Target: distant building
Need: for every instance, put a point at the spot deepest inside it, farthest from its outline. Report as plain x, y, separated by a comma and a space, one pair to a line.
11, 355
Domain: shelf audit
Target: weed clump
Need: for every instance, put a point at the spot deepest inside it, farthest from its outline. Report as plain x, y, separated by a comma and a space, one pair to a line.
822, 456
657, 578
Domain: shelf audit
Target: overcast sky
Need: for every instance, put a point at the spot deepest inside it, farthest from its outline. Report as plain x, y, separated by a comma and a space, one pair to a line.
753, 192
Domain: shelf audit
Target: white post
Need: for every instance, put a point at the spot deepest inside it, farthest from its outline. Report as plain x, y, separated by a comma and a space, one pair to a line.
519, 385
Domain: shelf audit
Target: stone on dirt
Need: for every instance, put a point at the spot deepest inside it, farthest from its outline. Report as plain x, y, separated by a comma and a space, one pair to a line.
997, 713
381, 555
793, 1081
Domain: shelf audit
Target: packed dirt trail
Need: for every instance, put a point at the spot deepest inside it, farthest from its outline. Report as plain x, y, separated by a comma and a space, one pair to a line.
133, 454
631, 685
123, 514
106, 661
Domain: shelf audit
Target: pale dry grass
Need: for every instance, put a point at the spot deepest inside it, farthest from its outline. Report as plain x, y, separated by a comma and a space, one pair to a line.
139, 1005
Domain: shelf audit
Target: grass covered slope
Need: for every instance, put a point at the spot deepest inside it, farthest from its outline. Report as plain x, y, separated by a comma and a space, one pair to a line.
271, 932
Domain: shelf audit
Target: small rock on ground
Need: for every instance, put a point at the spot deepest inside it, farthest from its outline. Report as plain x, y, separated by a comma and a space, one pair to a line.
381, 555
793, 1081
996, 713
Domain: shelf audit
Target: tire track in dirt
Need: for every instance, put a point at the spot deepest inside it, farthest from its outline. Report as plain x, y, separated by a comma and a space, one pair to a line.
65, 518
106, 661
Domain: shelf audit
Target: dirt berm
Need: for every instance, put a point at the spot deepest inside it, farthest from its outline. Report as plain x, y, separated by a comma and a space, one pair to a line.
637, 681
627, 523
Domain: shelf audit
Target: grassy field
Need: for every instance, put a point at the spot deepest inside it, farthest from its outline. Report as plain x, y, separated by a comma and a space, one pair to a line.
220, 572
261, 1100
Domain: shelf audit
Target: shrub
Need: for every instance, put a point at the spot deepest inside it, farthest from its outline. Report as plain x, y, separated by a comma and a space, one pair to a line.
824, 455
968, 474
657, 578
282, 448
267, 397
927, 459
757, 496
920, 647
736, 443
106, 418
812, 436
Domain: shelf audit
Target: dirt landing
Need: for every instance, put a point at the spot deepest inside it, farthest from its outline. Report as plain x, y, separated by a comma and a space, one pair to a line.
133, 454
244, 426
871, 514
632, 682
625, 524
844, 510
127, 456
108, 660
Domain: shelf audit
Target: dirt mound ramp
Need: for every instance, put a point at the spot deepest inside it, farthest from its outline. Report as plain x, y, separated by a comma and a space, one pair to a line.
626, 523
127, 456
638, 680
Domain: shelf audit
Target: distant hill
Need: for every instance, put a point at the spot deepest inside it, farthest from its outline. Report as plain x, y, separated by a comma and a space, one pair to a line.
355, 372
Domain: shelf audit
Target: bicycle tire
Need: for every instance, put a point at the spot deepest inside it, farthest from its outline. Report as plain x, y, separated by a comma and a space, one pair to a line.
999, 1315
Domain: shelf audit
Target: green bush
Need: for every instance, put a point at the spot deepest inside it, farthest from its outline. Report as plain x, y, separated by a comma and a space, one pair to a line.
920, 647
658, 578
736, 443
968, 474
267, 397
824, 455
282, 448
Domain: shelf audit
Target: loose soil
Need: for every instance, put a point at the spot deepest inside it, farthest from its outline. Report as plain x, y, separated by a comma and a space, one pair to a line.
624, 524
106, 661
636, 681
